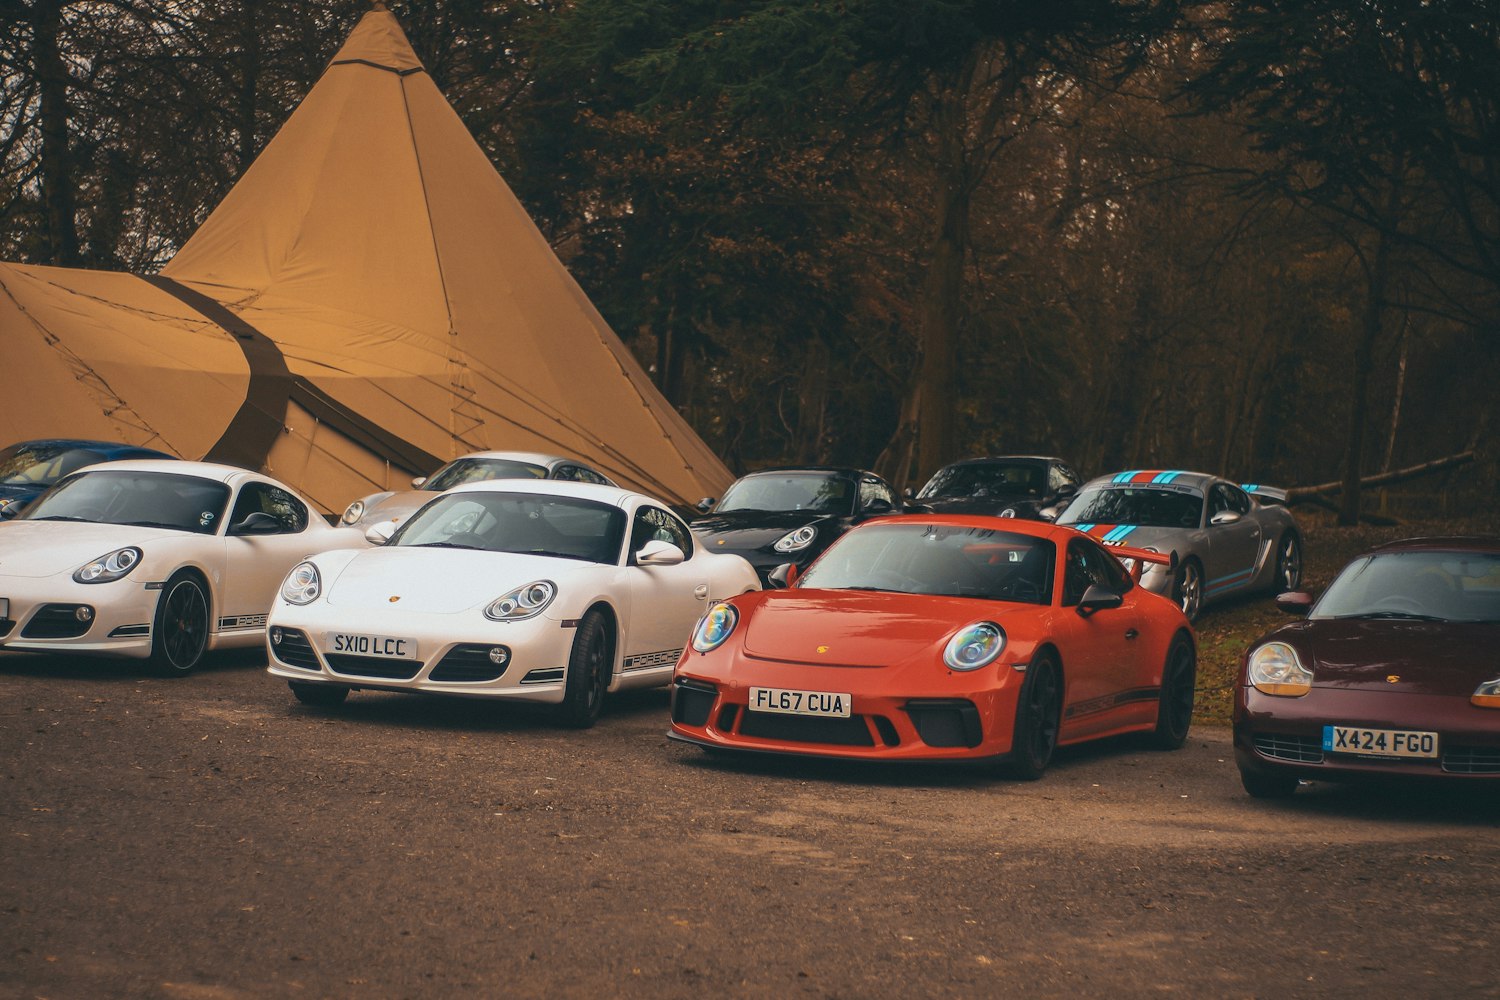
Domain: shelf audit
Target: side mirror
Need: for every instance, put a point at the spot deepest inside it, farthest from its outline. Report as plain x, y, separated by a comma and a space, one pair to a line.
1050, 513
379, 534
706, 504
11, 511
1098, 598
909, 494
1067, 490
659, 553
877, 506
1225, 517
416, 484
783, 576
1295, 602
257, 523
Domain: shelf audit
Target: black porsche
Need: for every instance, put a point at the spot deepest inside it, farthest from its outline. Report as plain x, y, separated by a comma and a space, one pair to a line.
1002, 486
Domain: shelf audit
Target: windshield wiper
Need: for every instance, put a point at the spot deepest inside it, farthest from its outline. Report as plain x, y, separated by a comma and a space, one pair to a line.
876, 590
555, 555
1395, 616
156, 524
445, 545
64, 517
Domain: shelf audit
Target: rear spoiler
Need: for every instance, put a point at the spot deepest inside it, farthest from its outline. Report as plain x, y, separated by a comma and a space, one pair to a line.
1265, 494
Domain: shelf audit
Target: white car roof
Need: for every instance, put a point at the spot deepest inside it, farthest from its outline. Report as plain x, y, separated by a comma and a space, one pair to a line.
203, 470
533, 457
555, 487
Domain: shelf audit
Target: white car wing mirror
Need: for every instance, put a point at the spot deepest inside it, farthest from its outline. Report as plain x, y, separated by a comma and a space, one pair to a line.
659, 553
379, 534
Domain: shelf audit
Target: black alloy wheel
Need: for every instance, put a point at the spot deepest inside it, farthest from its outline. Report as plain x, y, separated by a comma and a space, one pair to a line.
1038, 719
1288, 563
589, 667
179, 635
1179, 681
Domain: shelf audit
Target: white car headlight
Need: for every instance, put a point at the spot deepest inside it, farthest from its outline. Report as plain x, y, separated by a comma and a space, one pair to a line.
303, 584
1275, 669
109, 567
975, 646
353, 512
523, 602
796, 541
713, 628
1487, 695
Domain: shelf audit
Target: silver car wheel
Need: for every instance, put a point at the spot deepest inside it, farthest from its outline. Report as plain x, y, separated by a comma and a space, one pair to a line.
1190, 589
1289, 563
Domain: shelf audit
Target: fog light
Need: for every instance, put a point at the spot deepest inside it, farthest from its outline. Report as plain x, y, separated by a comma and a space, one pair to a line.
84, 613
275, 636
499, 656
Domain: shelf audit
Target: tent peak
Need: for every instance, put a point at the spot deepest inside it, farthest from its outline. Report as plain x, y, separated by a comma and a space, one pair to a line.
377, 40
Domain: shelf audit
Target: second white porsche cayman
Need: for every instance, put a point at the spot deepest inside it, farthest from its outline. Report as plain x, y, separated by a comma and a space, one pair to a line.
547, 592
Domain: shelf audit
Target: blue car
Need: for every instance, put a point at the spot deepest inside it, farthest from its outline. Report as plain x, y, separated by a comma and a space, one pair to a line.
29, 468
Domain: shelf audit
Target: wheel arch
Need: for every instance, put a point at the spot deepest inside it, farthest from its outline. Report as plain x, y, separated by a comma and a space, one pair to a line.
613, 623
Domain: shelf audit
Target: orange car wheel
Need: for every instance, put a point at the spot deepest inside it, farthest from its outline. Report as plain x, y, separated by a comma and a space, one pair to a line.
1179, 681
1038, 717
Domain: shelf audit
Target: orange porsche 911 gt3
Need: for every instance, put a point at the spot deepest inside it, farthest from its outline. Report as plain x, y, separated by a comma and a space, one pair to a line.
942, 638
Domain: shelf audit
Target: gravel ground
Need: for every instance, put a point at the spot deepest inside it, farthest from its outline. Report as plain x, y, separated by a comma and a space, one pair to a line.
210, 838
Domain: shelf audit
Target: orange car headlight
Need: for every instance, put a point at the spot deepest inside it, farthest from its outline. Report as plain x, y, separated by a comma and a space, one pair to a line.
1275, 669
975, 646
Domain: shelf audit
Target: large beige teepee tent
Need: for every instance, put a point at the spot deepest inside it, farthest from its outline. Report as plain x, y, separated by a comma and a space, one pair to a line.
369, 301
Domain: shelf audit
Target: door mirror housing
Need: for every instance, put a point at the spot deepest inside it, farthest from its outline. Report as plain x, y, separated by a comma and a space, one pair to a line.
706, 504
257, 523
379, 534
877, 506
783, 576
1225, 517
1295, 602
416, 484
1098, 598
659, 553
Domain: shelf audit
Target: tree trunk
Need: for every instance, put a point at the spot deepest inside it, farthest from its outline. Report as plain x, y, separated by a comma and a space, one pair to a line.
942, 295
57, 181
1364, 358
250, 58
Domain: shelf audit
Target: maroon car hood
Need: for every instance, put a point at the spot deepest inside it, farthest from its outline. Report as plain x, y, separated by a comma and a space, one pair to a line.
862, 629
1445, 658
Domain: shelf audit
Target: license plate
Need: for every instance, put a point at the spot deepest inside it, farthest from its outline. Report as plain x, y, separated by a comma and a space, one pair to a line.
784, 702
1379, 742
354, 644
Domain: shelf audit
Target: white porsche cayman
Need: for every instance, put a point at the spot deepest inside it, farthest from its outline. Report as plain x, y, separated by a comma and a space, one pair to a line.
539, 591
158, 559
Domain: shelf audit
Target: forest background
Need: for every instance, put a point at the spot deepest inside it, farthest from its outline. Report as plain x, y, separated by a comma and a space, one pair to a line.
1259, 238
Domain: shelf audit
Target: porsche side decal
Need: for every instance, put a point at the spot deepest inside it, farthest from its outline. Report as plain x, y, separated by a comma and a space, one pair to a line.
1111, 701
645, 661
242, 621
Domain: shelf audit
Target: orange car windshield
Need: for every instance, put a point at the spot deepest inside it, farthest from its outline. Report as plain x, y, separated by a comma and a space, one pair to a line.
916, 558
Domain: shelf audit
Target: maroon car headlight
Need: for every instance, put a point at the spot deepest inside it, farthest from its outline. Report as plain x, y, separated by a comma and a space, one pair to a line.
1275, 669
714, 627
1487, 695
975, 646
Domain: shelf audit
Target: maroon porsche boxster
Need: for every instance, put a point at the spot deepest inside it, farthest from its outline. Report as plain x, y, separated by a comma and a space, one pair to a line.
1394, 672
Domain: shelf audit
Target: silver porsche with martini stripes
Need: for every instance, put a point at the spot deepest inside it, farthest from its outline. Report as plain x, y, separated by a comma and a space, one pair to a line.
1229, 538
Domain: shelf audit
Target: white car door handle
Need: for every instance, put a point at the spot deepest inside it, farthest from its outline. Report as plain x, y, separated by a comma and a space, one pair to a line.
701, 591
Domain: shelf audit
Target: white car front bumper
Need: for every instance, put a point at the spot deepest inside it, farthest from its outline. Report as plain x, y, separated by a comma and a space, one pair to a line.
41, 617
441, 654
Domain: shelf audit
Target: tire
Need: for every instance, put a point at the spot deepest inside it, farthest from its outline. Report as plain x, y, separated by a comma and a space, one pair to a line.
1188, 588
1038, 718
179, 633
589, 667
1288, 563
318, 695
1179, 683
1262, 785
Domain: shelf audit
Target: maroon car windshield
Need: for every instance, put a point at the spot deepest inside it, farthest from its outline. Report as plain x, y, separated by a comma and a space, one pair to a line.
1420, 584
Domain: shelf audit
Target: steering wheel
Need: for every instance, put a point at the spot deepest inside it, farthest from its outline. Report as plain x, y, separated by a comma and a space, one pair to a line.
1400, 603
467, 538
889, 579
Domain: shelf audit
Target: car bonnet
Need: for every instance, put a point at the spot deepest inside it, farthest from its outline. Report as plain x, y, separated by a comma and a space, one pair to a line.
863, 629
37, 549
1395, 655
440, 581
